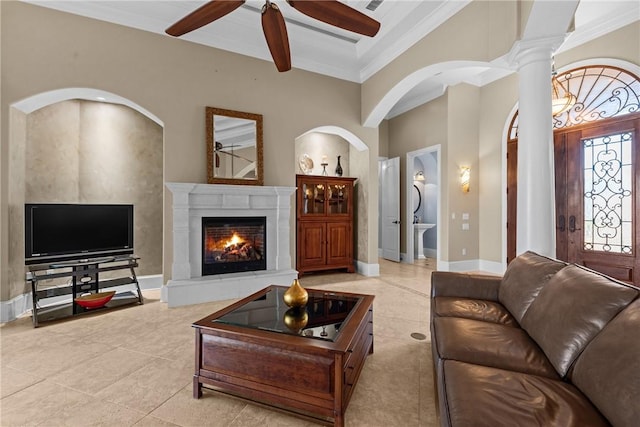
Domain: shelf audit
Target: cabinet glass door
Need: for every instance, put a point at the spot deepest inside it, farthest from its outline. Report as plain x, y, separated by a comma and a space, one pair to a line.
338, 198
313, 198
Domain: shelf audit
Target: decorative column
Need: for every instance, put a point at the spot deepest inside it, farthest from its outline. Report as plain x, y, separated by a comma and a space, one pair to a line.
536, 172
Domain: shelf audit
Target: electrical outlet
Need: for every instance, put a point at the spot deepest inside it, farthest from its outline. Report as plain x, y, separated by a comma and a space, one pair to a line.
464, 251
465, 215
465, 225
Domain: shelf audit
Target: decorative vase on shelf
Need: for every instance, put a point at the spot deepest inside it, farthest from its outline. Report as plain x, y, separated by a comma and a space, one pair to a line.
339, 168
296, 295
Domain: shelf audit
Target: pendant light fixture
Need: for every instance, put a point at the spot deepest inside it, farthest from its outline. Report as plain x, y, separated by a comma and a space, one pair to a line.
561, 99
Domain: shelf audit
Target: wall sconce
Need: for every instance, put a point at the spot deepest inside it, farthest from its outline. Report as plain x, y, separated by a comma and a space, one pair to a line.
465, 177
419, 176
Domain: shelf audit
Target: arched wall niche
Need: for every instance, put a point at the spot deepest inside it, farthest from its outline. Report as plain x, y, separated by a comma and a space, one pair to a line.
331, 141
82, 145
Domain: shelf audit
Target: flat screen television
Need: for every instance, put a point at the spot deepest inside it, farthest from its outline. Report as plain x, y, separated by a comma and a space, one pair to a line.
61, 232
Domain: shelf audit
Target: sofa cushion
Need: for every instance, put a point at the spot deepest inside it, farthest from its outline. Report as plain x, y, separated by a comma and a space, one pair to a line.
490, 344
488, 311
483, 396
522, 281
571, 309
608, 370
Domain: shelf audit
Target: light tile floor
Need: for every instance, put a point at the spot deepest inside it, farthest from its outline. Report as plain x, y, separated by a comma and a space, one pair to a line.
134, 366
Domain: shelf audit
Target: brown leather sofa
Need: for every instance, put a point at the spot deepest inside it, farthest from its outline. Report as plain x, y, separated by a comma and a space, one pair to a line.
548, 344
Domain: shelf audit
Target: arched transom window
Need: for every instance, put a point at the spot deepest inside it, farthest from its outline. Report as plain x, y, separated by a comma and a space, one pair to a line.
602, 92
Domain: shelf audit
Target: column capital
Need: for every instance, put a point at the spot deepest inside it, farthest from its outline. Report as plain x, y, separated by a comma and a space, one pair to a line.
527, 51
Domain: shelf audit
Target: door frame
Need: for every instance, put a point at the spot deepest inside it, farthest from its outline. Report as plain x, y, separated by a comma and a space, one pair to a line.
408, 210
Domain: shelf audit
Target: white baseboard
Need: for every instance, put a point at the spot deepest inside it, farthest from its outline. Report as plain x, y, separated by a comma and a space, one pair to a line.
13, 308
16, 307
492, 267
430, 253
472, 265
150, 282
370, 270
459, 266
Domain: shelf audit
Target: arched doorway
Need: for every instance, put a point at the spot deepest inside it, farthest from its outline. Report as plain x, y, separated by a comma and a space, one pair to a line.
596, 172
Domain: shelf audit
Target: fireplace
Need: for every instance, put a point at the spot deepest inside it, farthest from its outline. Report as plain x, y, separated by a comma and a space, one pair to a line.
192, 202
233, 244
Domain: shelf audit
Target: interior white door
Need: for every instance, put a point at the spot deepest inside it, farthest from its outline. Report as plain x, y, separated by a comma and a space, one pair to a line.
390, 178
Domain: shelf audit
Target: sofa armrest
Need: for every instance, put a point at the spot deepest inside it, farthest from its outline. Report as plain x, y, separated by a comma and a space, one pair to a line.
465, 285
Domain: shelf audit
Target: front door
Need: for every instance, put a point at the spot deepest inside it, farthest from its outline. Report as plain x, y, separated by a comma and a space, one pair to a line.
597, 205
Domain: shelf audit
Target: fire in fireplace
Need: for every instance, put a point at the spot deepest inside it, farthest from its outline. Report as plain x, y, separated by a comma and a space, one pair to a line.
232, 245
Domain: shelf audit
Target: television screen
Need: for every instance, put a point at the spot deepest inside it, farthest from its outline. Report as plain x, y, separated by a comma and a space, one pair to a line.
70, 231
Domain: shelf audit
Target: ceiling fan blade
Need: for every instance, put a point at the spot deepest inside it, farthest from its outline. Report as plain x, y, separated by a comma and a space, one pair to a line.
204, 15
275, 32
337, 14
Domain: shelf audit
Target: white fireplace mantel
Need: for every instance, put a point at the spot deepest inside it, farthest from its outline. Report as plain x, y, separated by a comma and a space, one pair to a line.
192, 202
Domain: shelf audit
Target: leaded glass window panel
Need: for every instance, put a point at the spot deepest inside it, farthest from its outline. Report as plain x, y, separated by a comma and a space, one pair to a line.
608, 201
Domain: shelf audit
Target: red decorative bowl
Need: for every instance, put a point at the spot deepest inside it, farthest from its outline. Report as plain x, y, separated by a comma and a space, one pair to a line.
95, 300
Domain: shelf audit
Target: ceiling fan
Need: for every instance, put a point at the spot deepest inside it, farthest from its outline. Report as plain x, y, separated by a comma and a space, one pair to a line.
332, 12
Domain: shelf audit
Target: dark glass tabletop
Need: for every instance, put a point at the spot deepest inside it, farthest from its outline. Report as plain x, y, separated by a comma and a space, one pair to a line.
321, 318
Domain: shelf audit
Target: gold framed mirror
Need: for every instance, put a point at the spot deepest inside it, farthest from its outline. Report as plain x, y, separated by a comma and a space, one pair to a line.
234, 147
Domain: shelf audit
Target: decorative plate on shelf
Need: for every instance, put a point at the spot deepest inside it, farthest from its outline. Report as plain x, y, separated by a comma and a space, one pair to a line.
306, 164
95, 300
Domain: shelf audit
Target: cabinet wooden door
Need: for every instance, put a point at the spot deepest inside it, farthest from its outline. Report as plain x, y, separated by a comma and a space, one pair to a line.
311, 244
338, 245
312, 197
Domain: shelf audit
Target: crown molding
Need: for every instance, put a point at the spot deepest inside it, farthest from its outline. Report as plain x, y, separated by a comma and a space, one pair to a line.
605, 25
417, 33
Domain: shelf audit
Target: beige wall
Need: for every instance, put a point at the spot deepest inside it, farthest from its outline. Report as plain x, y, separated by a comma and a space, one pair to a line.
384, 138
462, 150
175, 80
15, 203
496, 103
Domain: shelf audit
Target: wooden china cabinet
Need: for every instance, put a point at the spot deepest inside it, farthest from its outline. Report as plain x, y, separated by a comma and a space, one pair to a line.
324, 207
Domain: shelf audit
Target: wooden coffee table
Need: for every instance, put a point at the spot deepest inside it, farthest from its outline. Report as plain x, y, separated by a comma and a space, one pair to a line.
309, 367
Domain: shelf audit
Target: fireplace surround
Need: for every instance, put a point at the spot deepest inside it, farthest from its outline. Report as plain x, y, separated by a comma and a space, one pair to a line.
193, 202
